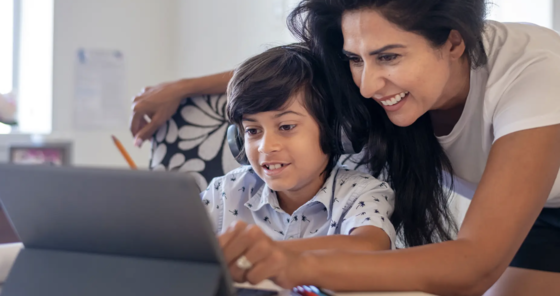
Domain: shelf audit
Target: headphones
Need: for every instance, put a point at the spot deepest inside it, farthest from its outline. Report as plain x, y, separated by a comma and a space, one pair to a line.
235, 142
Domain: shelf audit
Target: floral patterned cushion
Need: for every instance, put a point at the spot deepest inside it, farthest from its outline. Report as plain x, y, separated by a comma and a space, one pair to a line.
194, 141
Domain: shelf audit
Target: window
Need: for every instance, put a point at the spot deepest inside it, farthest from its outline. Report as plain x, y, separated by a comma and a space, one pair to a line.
539, 12
7, 48
7, 13
26, 62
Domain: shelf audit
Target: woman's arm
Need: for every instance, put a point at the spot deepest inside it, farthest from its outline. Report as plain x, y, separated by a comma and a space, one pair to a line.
160, 102
267, 254
519, 175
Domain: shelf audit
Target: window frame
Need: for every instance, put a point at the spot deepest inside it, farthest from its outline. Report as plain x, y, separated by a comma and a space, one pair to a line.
16, 46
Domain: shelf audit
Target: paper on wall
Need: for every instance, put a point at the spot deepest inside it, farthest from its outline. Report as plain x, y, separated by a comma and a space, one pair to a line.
99, 86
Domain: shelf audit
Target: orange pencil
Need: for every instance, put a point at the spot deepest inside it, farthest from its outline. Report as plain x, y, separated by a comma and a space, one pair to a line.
124, 153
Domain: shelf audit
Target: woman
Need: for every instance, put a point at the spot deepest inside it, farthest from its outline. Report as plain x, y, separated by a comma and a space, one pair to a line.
418, 68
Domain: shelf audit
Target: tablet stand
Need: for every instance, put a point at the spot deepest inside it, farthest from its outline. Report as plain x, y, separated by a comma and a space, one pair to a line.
60, 273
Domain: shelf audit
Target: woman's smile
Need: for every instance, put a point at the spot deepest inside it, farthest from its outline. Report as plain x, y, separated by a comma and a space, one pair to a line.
393, 102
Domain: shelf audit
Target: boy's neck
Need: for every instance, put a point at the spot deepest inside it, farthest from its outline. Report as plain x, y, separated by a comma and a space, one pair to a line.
290, 201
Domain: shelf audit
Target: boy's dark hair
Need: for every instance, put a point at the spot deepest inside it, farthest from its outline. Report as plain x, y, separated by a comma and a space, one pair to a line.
269, 81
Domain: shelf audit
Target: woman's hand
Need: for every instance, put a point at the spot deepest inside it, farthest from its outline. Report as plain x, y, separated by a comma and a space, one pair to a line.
158, 103
268, 259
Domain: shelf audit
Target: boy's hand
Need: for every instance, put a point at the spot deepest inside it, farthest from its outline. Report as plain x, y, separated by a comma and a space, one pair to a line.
268, 260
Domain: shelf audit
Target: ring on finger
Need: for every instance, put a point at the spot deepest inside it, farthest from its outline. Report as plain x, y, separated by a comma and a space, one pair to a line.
243, 263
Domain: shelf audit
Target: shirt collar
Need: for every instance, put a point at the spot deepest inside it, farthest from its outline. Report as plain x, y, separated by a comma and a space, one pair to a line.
325, 195
265, 195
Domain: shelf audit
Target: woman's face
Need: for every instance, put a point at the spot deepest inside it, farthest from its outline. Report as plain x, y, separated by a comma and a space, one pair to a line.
400, 70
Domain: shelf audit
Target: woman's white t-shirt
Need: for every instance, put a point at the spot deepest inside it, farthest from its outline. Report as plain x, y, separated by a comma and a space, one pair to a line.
518, 89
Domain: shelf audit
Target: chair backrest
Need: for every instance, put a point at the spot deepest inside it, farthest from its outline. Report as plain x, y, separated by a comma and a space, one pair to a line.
194, 140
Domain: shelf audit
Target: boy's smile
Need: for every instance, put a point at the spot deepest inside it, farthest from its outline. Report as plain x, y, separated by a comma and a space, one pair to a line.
274, 168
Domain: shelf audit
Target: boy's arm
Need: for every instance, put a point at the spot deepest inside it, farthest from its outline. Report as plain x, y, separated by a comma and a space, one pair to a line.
365, 238
212, 200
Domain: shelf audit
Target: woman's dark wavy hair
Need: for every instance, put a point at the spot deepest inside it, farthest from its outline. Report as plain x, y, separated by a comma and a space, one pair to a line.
268, 81
410, 158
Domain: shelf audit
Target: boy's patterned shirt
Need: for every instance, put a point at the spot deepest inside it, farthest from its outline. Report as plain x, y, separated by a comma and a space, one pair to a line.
348, 199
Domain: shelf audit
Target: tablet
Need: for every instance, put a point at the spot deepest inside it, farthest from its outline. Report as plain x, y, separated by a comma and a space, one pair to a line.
152, 216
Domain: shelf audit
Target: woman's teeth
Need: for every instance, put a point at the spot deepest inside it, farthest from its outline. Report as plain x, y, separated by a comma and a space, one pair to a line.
397, 98
273, 166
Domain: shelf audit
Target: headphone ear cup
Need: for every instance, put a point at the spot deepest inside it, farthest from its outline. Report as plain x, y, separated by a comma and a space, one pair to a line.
235, 143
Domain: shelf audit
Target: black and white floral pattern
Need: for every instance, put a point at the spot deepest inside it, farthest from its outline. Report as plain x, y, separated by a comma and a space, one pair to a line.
194, 140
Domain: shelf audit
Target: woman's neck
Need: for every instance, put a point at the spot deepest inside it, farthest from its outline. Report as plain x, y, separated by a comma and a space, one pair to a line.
291, 200
447, 114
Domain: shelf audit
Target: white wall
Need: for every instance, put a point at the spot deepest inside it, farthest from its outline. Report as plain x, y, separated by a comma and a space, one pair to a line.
144, 30
538, 12
218, 35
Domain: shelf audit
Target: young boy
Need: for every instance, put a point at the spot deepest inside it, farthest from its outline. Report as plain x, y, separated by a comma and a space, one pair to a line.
293, 188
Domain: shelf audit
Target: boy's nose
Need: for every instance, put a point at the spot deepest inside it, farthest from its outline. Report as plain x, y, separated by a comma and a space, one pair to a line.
269, 143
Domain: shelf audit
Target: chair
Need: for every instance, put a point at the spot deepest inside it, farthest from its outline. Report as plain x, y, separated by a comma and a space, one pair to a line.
194, 140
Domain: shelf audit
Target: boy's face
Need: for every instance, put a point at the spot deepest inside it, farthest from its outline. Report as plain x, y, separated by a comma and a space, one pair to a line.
283, 147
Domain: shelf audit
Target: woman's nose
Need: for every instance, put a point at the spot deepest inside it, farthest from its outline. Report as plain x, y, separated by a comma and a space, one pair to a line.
371, 82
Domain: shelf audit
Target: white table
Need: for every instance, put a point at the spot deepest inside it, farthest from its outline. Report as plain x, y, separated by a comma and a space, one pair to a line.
9, 252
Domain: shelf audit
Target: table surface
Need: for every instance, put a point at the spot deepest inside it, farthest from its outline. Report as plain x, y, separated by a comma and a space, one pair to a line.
9, 252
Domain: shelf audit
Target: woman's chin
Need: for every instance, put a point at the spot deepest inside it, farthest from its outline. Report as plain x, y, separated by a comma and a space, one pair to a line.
402, 119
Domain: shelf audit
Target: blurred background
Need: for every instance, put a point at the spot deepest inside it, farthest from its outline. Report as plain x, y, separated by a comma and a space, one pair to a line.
159, 40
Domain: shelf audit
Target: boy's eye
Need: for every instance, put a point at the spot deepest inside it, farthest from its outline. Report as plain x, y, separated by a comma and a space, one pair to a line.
251, 131
287, 127
387, 57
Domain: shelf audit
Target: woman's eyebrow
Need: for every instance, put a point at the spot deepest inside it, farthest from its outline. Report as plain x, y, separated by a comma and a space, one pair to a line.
384, 48
374, 52
348, 54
